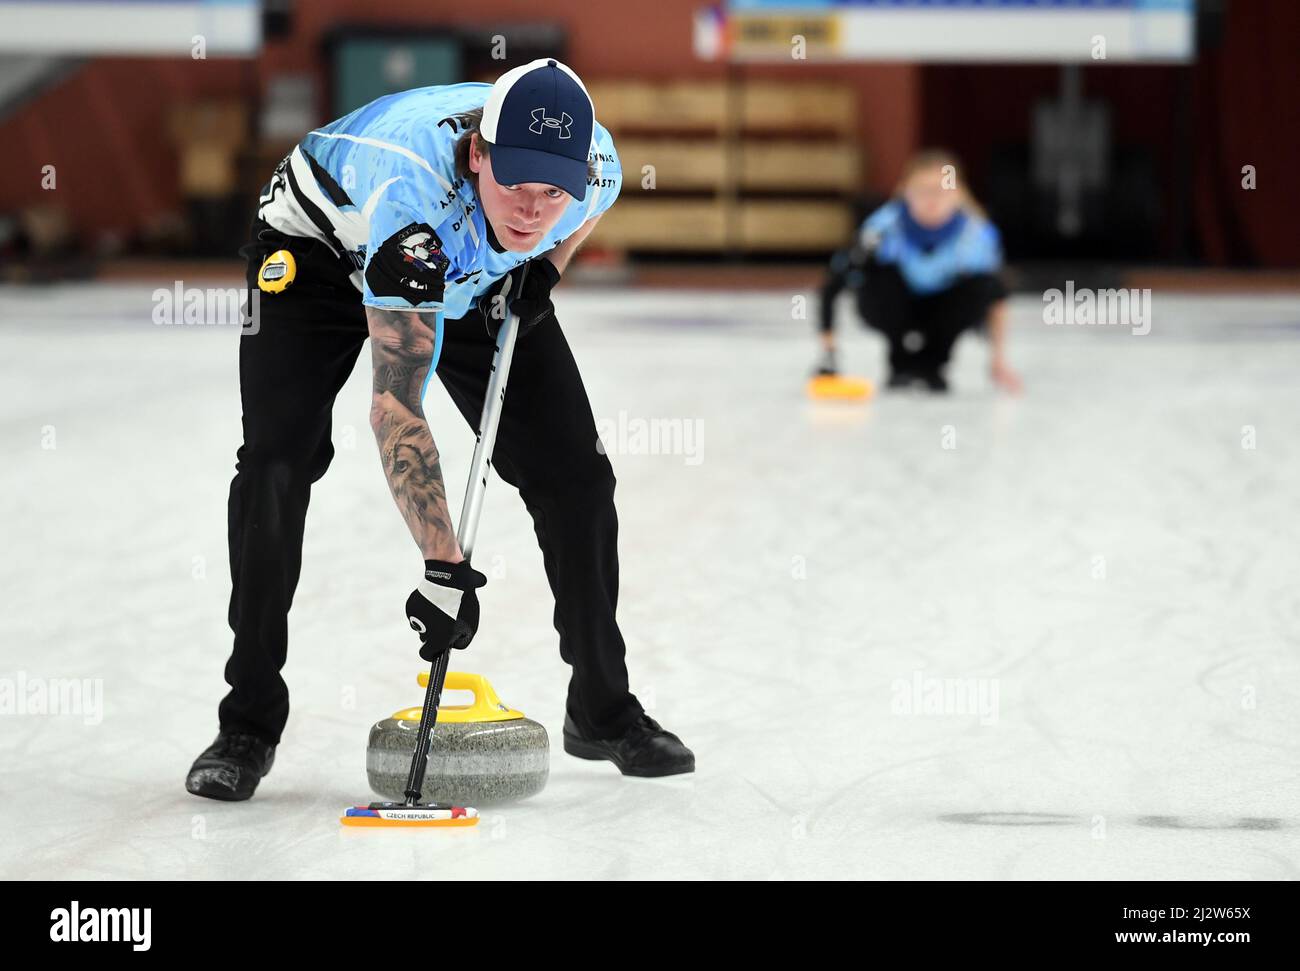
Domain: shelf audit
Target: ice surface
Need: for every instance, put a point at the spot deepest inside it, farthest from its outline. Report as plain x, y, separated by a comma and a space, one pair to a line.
1103, 553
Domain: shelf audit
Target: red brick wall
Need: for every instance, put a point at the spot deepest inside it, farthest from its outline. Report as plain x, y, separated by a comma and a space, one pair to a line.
105, 129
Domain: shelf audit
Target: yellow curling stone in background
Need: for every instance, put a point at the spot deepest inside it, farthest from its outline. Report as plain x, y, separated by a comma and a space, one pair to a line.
838, 387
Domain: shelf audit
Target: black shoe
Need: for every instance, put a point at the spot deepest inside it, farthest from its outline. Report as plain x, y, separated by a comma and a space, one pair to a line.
900, 379
935, 381
231, 767
645, 749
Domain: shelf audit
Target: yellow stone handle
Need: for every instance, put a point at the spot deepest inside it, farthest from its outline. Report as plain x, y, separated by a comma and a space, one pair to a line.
486, 707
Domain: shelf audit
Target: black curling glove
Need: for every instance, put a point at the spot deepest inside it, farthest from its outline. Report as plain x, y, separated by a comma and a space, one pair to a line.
443, 609
532, 302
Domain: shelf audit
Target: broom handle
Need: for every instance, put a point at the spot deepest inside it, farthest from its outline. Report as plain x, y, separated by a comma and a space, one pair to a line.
479, 467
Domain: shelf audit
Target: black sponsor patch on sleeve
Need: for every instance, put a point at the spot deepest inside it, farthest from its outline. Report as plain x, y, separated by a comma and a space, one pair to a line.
409, 264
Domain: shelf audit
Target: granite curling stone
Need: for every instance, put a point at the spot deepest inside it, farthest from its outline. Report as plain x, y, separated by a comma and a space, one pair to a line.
481, 754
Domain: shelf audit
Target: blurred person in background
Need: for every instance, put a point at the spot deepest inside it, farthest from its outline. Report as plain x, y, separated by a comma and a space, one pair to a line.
924, 268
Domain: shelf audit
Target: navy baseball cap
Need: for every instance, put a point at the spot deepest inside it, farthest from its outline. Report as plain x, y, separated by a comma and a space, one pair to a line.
539, 119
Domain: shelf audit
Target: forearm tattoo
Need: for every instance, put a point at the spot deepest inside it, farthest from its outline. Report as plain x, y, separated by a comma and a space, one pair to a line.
402, 347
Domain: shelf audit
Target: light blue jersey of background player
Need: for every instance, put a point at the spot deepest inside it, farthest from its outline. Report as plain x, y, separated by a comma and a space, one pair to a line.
931, 260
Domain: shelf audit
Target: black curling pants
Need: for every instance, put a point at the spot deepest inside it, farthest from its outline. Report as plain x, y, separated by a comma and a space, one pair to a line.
889, 306
305, 346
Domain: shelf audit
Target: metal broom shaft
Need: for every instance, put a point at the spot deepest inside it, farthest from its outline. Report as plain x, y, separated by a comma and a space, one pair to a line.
480, 466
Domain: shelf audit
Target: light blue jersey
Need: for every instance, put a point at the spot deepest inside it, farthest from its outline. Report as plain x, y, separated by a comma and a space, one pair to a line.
929, 266
385, 174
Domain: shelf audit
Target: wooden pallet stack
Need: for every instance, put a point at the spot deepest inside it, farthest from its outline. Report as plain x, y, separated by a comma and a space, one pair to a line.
730, 167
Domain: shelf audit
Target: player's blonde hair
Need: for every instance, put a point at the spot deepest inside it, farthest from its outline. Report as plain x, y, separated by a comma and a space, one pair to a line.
940, 158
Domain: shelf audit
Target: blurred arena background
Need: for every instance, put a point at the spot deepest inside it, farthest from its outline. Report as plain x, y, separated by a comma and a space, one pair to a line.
1107, 138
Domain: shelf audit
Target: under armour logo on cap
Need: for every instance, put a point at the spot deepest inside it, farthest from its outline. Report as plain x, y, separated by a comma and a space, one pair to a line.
541, 122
